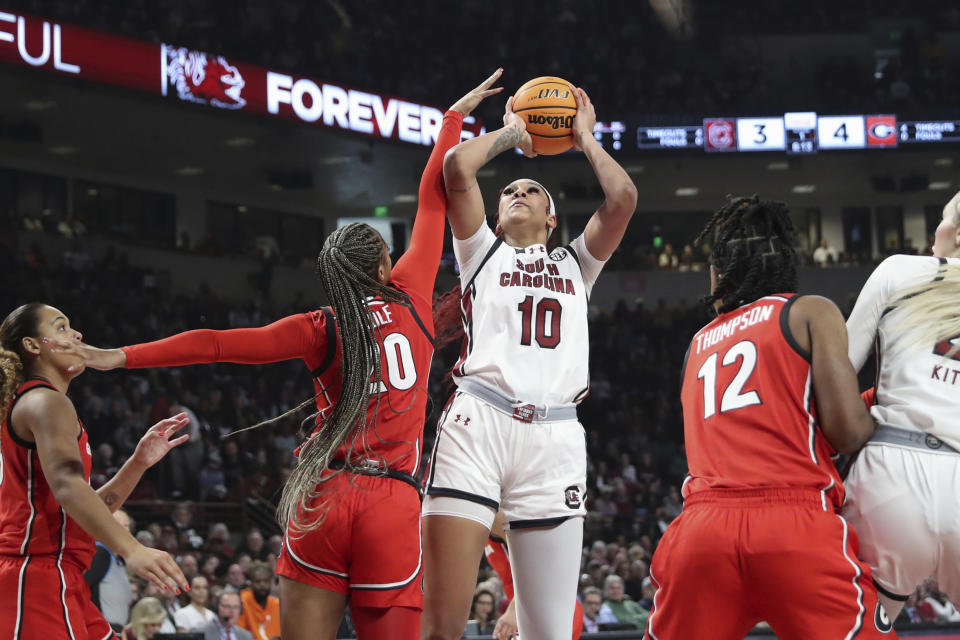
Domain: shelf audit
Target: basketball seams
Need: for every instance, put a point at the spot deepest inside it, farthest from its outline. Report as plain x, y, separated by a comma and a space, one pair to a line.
544, 135
551, 106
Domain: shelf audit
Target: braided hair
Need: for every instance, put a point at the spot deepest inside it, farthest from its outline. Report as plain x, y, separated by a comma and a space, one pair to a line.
347, 268
753, 253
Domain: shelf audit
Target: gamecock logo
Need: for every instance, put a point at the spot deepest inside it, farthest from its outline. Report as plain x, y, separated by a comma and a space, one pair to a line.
205, 79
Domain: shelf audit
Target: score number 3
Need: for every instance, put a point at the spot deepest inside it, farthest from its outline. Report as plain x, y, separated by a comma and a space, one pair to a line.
733, 398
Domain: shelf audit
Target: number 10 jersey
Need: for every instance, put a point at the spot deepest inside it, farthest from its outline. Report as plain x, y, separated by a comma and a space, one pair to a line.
524, 313
749, 417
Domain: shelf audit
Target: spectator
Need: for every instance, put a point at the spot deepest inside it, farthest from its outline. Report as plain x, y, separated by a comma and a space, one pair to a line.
236, 581
668, 259
482, 612
223, 626
261, 611
146, 619
196, 614
824, 255
625, 610
109, 582
255, 545
595, 611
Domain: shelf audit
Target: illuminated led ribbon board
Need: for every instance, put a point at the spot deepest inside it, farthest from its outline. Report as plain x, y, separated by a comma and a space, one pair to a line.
183, 74
793, 133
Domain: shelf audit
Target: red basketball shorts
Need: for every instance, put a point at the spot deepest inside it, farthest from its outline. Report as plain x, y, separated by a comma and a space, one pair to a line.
367, 547
42, 600
734, 558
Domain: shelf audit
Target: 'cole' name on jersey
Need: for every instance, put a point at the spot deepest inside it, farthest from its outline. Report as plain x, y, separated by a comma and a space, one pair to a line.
381, 313
530, 275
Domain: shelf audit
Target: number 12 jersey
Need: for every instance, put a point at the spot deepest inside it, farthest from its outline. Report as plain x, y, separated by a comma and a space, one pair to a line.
524, 312
748, 407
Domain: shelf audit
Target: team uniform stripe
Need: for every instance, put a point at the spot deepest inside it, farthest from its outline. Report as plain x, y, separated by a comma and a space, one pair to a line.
33, 509
858, 623
653, 609
306, 565
436, 442
21, 584
63, 580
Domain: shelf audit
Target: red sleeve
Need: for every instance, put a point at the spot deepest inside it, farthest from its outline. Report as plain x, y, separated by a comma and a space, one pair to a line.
292, 337
417, 268
499, 560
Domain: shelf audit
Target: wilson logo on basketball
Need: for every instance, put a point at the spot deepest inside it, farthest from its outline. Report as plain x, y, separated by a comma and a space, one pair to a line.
553, 93
555, 122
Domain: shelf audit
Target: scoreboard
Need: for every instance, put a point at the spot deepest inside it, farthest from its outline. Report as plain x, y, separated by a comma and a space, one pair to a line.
799, 132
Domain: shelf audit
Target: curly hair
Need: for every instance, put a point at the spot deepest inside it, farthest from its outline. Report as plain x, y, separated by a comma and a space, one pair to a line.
20, 323
754, 251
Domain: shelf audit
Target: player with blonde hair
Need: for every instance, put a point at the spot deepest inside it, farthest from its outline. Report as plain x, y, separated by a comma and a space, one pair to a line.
901, 489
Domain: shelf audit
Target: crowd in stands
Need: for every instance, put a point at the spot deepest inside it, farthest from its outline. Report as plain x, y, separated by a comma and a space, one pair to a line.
706, 63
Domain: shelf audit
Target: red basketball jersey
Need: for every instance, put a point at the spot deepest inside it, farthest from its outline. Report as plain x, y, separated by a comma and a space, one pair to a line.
31, 520
748, 406
399, 398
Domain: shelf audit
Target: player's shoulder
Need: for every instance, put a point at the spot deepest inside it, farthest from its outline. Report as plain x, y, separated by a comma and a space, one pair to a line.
42, 400
901, 268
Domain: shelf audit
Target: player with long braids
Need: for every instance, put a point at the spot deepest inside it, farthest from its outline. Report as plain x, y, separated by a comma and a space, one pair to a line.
49, 513
351, 508
509, 438
768, 398
901, 489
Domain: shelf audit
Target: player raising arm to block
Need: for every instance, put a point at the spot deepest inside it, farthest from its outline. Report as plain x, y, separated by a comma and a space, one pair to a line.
49, 514
768, 397
901, 489
351, 507
509, 439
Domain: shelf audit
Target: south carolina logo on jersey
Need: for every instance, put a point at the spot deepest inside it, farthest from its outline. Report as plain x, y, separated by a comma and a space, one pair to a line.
571, 497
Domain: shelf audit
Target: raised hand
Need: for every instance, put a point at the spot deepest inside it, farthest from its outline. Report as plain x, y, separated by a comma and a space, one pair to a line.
510, 118
585, 119
465, 105
158, 441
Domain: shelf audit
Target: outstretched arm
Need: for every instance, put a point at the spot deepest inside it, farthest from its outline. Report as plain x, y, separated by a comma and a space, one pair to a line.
465, 204
606, 227
287, 339
419, 263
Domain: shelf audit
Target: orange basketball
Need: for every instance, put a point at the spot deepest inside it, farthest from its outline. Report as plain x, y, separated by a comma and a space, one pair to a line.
547, 106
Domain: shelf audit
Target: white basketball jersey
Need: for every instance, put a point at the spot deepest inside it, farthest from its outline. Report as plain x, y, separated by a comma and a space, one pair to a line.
524, 313
917, 387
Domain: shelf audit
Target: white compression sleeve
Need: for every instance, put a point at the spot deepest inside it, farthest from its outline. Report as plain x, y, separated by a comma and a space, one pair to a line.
546, 569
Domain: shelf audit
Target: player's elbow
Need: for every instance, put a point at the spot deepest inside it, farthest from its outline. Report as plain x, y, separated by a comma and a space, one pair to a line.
854, 434
624, 197
66, 482
455, 166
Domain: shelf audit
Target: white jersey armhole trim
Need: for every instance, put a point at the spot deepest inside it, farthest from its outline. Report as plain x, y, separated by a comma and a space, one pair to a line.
469, 251
590, 266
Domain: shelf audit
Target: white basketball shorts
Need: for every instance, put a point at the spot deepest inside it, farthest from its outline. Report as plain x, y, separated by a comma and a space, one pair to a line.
535, 472
904, 505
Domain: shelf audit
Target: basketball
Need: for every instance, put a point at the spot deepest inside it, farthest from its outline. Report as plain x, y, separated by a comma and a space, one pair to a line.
547, 106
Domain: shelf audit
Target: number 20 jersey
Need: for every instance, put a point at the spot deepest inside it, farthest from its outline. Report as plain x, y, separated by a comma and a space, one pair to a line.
748, 407
524, 313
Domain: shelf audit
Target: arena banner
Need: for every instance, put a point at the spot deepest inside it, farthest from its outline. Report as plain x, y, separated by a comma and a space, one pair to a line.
185, 75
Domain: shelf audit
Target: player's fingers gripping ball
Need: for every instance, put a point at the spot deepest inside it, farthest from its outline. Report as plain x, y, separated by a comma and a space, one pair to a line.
547, 106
